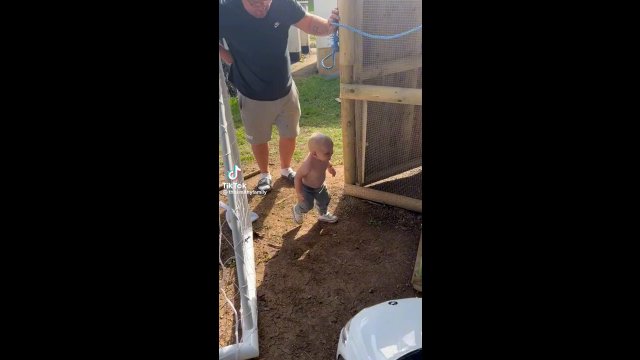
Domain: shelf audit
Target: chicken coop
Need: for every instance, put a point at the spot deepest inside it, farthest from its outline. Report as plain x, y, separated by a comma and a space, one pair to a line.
381, 101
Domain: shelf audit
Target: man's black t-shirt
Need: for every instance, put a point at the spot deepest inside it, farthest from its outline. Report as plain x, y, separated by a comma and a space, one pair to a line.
261, 66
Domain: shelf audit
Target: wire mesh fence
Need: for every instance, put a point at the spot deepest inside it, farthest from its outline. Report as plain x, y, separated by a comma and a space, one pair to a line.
389, 135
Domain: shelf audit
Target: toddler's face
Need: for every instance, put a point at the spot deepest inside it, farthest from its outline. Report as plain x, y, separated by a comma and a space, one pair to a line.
324, 153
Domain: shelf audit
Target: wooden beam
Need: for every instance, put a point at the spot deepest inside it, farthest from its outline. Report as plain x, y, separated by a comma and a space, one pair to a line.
363, 151
347, 105
391, 67
392, 170
384, 197
357, 112
390, 94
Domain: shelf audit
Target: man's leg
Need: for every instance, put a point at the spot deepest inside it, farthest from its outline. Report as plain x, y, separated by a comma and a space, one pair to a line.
261, 153
287, 147
257, 118
288, 123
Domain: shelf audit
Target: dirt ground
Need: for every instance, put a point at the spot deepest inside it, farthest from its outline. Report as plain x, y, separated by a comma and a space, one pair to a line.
312, 278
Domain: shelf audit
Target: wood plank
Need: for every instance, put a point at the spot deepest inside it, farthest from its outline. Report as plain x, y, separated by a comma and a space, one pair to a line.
347, 105
358, 124
363, 150
390, 94
383, 197
392, 171
391, 67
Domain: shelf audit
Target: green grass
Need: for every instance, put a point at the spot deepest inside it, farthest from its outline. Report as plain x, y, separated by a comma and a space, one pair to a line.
320, 112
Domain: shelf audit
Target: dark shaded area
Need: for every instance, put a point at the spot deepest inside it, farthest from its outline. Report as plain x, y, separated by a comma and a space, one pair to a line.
232, 89
294, 57
407, 184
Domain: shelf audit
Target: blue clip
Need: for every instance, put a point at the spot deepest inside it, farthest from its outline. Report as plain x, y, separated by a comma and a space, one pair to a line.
335, 47
333, 60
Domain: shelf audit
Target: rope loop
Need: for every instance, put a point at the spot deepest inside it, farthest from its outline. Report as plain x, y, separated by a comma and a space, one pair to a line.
335, 40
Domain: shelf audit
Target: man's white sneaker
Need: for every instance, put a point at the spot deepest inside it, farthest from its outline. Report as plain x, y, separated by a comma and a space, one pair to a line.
264, 184
328, 217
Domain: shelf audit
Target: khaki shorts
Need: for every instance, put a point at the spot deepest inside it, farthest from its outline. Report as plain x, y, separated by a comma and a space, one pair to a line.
259, 116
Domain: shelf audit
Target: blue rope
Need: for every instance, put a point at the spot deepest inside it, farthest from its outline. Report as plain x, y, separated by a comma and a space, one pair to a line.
378, 37
335, 40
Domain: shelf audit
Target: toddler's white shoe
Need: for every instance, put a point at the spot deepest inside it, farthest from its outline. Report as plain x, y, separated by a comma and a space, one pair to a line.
297, 215
328, 217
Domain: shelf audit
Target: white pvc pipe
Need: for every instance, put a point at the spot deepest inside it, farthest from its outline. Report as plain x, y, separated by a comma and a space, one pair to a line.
254, 216
247, 348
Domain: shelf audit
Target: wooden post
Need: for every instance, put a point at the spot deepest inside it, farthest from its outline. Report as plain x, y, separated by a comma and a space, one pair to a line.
358, 105
347, 106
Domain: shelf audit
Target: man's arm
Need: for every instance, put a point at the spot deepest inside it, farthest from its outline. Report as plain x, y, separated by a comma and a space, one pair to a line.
315, 25
225, 55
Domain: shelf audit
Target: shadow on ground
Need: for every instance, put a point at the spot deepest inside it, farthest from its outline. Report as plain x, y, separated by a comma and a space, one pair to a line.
320, 278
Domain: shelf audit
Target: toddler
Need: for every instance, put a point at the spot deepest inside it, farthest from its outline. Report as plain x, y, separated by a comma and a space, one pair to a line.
309, 180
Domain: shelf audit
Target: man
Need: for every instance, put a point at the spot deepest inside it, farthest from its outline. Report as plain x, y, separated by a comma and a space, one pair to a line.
257, 32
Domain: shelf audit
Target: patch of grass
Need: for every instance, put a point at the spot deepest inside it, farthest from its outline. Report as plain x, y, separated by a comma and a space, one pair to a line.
320, 113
